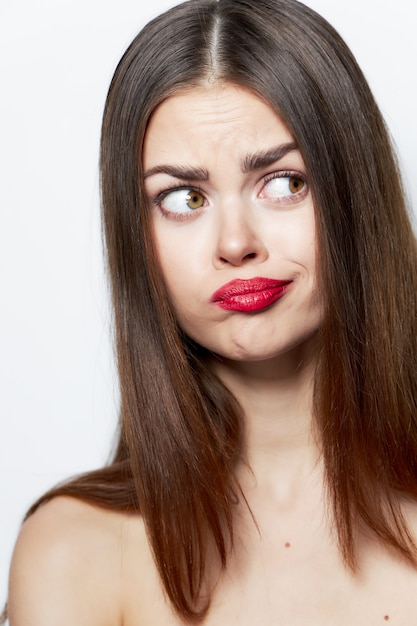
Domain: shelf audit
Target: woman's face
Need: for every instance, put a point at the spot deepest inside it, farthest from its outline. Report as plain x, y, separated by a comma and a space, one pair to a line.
233, 222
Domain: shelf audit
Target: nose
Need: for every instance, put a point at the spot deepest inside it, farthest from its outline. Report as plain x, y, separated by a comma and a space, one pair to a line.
238, 239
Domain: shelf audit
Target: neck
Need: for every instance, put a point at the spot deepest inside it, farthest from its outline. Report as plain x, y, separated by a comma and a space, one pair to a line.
277, 402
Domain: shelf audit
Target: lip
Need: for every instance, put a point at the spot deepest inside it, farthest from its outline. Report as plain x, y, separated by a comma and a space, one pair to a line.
250, 295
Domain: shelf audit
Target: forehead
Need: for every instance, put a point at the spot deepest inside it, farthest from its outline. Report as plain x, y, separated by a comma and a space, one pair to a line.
216, 116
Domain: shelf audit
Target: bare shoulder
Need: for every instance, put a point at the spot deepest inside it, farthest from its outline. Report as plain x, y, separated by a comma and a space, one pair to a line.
68, 565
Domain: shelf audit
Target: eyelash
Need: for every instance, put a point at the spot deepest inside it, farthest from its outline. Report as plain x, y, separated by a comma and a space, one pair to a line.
284, 174
159, 198
291, 174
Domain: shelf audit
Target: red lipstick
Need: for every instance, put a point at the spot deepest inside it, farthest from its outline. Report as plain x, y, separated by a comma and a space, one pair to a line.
250, 295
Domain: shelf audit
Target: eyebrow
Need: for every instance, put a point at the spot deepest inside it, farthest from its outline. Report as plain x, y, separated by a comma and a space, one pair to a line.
251, 163
265, 158
183, 172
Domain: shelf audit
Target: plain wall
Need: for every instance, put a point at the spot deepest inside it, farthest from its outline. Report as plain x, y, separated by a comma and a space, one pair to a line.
58, 393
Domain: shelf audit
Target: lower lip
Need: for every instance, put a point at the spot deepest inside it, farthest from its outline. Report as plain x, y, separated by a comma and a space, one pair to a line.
256, 301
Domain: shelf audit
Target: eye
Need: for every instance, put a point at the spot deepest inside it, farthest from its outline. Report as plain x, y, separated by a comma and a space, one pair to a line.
181, 201
282, 185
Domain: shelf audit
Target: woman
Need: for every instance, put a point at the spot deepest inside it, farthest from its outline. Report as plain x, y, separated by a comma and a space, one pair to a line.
263, 274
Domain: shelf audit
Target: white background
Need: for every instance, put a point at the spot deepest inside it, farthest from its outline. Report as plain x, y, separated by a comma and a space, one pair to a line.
58, 395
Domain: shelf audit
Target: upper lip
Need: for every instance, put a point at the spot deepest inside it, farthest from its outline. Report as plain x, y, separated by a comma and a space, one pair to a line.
241, 287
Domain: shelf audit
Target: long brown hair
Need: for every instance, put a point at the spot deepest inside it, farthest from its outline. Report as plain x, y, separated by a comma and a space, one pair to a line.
180, 429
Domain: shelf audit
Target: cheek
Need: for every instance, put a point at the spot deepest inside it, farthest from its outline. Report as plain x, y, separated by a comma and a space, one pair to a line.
304, 237
182, 251
294, 240
303, 231
176, 263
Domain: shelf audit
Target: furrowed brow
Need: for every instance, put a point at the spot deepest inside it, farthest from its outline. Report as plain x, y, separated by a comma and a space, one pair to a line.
265, 158
183, 172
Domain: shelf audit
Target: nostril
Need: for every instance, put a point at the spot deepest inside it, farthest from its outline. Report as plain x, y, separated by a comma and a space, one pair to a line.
250, 255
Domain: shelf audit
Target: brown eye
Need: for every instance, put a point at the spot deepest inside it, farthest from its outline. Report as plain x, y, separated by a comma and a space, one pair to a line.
283, 187
181, 202
295, 184
195, 199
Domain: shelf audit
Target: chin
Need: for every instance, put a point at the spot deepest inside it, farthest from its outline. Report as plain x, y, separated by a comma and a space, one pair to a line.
300, 350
